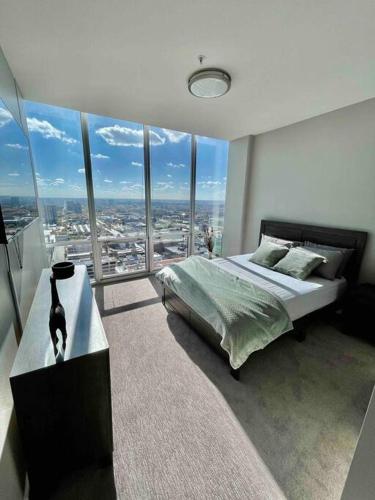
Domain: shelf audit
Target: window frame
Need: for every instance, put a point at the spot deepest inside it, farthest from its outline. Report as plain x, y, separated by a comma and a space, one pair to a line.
95, 240
149, 247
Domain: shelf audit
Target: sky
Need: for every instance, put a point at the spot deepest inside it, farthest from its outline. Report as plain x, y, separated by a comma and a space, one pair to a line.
16, 177
116, 148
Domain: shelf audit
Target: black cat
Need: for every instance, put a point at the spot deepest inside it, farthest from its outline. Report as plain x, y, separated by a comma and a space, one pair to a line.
56, 318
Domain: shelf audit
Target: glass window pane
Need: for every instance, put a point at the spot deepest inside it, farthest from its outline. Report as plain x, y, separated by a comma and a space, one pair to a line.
170, 156
56, 141
17, 190
117, 160
211, 179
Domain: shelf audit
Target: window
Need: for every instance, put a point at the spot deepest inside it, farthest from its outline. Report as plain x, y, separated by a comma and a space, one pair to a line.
17, 190
117, 162
56, 142
124, 240
170, 158
211, 179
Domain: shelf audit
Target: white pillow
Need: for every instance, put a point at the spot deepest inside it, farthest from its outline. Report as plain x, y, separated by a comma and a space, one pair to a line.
278, 241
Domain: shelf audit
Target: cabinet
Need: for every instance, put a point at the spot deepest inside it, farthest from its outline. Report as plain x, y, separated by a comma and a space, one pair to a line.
63, 410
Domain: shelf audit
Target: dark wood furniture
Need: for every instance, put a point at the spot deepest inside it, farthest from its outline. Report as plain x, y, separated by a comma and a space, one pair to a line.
343, 238
63, 410
358, 312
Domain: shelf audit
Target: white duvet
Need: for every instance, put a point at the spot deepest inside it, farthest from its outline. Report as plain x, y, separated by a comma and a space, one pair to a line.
299, 297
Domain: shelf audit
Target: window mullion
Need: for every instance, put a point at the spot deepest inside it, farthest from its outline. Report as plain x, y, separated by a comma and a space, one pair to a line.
149, 239
96, 249
192, 193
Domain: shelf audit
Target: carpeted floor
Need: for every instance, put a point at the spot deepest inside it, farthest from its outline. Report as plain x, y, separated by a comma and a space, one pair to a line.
184, 428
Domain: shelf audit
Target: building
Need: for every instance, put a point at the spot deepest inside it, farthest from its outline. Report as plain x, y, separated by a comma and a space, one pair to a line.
50, 214
72, 206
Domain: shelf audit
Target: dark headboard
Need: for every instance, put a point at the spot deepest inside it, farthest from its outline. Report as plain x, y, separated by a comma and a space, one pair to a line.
344, 238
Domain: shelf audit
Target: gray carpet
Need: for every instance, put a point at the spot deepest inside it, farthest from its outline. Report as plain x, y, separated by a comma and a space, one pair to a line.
183, 428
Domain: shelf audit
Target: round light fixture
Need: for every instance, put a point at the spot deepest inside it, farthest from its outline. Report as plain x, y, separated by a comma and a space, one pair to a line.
209, 83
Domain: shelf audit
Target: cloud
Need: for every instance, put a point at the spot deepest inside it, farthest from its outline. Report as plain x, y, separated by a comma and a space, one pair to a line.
118, 135
137, 164
81, 170
42, 182
75, 187
48, 131
169, 175
176, 165
209, 184
164, 186
129, 186
16, 146
99, 156
5, 117
14, 174
174, 136
156, 139
108, 181
56, 182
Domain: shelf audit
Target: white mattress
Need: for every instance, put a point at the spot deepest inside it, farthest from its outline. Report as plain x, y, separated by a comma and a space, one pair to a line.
299, 297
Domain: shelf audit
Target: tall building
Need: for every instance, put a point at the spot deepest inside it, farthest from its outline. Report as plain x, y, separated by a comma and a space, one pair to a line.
14, 201
50, 214
72, 206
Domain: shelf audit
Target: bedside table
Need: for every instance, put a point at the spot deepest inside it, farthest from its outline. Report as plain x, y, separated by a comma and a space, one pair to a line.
358, 312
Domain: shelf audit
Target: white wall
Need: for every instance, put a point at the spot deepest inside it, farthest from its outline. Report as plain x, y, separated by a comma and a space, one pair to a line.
8, 88
319, 171
239, 159
33, 258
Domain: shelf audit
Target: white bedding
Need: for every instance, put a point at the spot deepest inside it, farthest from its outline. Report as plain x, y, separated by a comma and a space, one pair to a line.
299, 297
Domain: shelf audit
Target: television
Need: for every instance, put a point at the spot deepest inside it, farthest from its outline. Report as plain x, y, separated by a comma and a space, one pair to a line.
18, 204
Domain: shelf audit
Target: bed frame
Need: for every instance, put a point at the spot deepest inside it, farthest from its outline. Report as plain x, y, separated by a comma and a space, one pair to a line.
343, 238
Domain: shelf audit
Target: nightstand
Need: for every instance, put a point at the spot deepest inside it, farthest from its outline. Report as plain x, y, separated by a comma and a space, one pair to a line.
358, 312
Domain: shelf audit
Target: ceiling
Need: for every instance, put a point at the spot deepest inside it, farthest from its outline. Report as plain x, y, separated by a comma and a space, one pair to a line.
289, 59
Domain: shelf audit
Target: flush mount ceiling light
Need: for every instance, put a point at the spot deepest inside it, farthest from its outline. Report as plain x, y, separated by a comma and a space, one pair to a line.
210, 82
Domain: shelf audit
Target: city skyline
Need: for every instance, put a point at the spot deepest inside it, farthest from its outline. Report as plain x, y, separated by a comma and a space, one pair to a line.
122, 230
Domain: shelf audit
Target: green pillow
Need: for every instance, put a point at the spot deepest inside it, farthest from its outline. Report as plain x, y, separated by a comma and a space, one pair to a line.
299, 263
268, 254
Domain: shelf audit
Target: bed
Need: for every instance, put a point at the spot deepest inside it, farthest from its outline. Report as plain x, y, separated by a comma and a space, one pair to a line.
301, 299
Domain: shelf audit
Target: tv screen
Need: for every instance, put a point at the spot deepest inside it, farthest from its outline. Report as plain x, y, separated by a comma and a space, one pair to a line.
18, 207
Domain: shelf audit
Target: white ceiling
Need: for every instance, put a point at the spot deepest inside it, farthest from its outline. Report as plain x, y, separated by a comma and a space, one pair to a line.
289, 59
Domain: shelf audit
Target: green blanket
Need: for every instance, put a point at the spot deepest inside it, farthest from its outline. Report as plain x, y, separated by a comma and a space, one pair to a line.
245, 315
